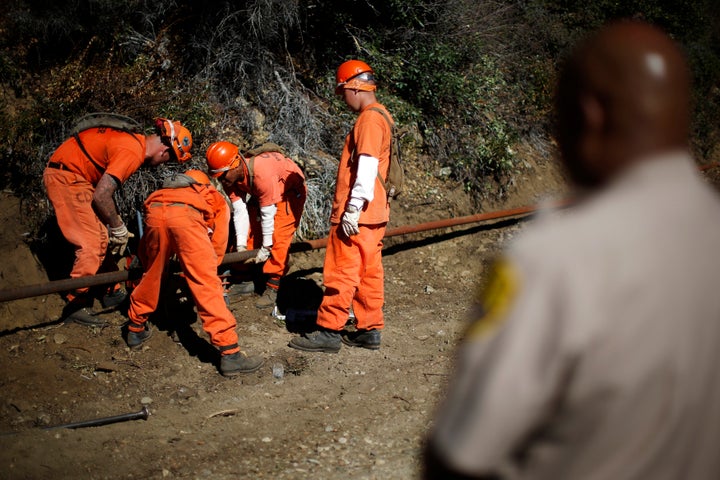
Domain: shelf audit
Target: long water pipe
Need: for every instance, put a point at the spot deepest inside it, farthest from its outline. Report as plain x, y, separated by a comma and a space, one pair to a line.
16, 293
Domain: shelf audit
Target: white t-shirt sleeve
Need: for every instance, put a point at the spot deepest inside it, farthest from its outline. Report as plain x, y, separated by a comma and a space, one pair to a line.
364, 188
241, 221
267, 222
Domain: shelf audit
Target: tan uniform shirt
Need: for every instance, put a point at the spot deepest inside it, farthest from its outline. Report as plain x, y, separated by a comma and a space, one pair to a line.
598, 356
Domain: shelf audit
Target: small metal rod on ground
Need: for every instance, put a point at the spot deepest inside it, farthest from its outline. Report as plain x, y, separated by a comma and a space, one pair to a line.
97, 422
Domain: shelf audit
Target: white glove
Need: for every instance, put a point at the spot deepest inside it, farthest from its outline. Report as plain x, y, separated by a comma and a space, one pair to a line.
118, 239
349, 223
263, 254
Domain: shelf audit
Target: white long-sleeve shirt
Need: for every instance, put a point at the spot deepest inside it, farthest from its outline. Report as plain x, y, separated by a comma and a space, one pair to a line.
363, 191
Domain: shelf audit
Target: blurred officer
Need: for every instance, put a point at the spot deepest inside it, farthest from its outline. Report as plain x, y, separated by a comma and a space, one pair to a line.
596, 355
353, 271
188, 218
274, 184
81, 178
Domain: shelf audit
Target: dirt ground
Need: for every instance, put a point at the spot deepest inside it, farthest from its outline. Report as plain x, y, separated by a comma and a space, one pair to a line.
358, 414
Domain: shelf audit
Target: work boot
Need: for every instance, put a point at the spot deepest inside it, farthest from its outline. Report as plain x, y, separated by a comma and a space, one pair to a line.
323, 340
362, 338
238, 363
268, 299
242, 288
135, 339
113, 299
80, 311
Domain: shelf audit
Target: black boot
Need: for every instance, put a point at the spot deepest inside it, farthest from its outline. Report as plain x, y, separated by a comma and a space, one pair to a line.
362, 338
135, 339
323, 340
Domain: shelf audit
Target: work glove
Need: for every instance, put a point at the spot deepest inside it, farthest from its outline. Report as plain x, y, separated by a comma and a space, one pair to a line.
118, 239
262, 255
349, 223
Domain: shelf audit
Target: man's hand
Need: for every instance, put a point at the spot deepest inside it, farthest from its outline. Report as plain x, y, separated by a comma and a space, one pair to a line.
263, 254
118, 239
349, 223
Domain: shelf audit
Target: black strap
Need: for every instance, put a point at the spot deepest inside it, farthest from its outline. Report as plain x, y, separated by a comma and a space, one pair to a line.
250, 169
228, 347
57, 166
100, 168
251, 172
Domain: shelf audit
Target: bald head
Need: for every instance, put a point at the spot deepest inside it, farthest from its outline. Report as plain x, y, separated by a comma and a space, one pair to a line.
623, 95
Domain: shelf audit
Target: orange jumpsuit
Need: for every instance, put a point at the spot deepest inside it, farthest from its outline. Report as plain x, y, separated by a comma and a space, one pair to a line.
70, 179
353, 271
191, 222
276, 180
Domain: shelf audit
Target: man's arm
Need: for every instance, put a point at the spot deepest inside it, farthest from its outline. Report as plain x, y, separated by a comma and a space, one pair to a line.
241, 220
118, 235
104, 202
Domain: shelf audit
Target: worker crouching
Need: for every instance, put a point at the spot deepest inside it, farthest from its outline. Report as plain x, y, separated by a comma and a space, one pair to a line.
267, 190
188, 218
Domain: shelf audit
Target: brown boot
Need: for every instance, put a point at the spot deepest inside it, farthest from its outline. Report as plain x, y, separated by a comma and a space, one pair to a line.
268, 299
79, 310
239, 363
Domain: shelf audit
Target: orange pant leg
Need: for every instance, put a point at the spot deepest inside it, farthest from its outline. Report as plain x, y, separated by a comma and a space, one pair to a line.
370, 296
71, 196
190, 241
287, 220
154, 254
353, 274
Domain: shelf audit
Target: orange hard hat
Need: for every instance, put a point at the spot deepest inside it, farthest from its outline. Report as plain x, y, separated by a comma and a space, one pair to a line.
354, 75
199, 176
221, 157
176, 137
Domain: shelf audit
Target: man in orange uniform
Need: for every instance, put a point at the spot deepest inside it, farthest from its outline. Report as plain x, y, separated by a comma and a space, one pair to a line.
187, 217
278, 186
353, 271
81, 178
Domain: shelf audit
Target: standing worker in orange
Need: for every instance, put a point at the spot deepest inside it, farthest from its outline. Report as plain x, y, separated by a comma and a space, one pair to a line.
277, 185
81, 178
353, 271
187, 217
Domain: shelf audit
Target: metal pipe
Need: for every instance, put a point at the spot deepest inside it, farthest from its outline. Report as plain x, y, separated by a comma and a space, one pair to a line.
16, 293
141, 415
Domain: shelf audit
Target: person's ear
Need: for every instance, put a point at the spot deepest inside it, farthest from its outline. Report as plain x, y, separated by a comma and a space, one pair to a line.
593, 113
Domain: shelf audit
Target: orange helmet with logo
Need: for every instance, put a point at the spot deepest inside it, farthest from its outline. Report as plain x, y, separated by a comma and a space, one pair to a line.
199, 176
354, 75
176, 137
221, 157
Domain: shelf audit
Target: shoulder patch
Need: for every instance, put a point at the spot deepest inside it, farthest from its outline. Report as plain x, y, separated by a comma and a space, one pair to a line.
495, 300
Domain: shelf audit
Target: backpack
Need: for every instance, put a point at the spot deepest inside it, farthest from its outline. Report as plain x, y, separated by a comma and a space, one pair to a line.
104, 120
249, 157
265, 147
393, 184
